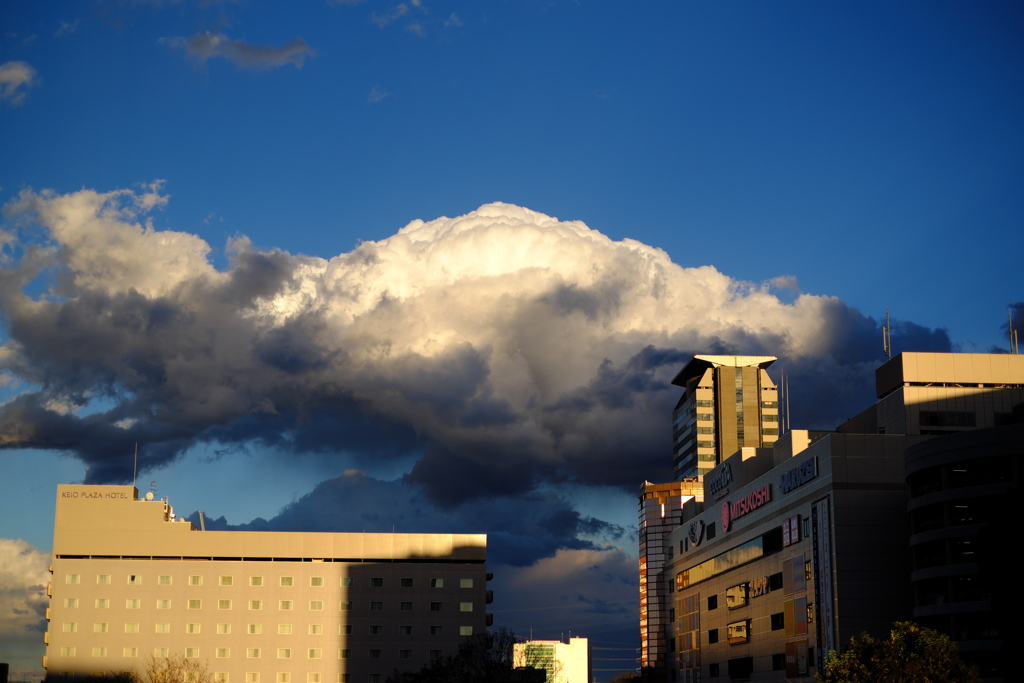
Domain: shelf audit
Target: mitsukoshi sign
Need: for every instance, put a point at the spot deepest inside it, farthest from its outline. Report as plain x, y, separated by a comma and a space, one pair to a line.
746, 504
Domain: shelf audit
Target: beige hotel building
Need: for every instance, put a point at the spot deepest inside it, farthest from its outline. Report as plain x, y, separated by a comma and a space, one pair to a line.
130, 582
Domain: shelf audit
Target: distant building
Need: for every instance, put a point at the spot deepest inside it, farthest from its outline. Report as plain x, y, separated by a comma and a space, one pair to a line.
130, 582
728, 403
563, 662
661, 511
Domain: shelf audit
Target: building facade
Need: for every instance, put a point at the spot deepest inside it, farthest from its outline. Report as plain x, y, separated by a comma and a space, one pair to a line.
793, 549
130, 582
562, 662
661, 511
728, 403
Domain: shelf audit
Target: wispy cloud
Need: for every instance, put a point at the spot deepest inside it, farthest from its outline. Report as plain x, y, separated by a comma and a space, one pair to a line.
204, 46
67, 28
453, 21
417, 28
392, 15
16, 79
377, 94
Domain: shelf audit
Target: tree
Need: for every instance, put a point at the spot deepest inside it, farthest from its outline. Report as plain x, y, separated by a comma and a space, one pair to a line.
483, 658
912, 654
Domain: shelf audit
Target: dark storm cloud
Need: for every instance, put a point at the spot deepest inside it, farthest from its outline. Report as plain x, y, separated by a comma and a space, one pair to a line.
520, 530
501, 349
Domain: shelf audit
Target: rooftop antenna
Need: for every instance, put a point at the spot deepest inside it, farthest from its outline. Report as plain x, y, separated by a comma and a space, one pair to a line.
788, 423
887, 337
135, 470
1013, 333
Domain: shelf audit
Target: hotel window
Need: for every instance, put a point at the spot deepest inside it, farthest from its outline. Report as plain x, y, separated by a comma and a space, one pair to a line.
284, 629
465, 607
376, 606
778, 621
405, 630
713, 670
435, 606
220, 677
223, 604
99, 652
465, 583
376, 654
316, 605
344, 654
314, 653
131, 603
284, 677
316, 629
70, 627
191, 653
103, 579
162, 628
73, 578
223, 629
254, 629
316, 581
195, 581
376, 582
376, 630
102, 603
406, 607
160, 652
346, 581
405, 583
193, 629
405, 654
71, 602
252, 677
227, 580
287, 581
713, 636
255, 580
195, 604
437, 583
285, 604
99, 627
255, 604
312, 677
67, 652
163, 580
465, 630
134, 580
436, 631
284, 653
345, 605
131, 627
163, 604
252, 653
736, 596
130, 652
345, 630
712, 602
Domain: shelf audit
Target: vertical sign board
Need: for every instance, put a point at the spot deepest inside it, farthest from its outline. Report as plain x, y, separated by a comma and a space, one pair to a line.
822, 549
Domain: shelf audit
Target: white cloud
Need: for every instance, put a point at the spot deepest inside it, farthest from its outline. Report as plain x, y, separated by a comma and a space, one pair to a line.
377, 94
16, 79
24, 573
204, 46
453, 21
67, 28
503, 345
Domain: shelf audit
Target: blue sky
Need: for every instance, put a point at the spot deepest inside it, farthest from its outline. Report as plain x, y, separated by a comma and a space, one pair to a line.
827, 160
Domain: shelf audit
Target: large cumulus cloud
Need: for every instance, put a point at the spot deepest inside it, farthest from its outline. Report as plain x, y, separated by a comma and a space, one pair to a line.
24, 573
501, 348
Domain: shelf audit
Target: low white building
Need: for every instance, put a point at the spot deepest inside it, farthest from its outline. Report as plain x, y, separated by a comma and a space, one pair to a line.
563, 662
